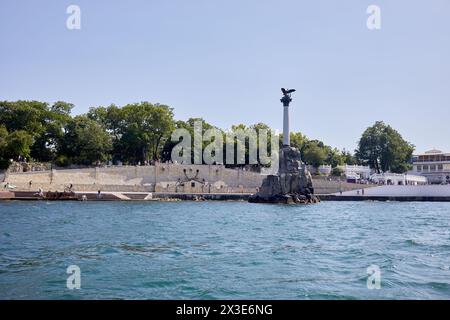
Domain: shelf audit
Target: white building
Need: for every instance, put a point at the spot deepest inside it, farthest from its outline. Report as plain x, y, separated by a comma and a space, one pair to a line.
356, 172
397, 179
353, 173
323, 169
433, 164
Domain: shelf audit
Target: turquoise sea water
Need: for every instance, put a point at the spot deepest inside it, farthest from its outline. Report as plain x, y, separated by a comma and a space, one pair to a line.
224, 250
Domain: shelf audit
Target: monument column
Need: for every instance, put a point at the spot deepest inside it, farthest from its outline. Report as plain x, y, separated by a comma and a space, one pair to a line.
293, 182
286, 100
286, 136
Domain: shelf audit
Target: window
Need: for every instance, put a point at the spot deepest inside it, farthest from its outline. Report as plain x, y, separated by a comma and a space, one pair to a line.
193, 184
425, 168
419, 168
440, 167
433, 167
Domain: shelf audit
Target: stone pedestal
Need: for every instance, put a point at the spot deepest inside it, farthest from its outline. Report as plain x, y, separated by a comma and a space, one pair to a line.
292, 184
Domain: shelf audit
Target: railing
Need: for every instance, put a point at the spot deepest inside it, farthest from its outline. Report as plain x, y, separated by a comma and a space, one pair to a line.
431, 161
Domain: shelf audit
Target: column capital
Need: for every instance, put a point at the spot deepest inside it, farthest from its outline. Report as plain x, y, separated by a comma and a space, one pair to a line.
286, 100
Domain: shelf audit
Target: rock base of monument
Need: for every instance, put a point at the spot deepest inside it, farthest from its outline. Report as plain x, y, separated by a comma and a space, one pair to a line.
292, 185
278, 189
285, 199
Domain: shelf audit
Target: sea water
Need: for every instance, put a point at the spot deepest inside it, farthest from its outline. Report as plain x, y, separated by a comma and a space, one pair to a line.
224, 250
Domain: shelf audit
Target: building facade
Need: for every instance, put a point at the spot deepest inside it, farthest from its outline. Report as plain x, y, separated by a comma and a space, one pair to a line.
358, 172
434, 165
396, 179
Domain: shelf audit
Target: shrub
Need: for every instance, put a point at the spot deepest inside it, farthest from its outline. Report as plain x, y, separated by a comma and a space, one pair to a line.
62, 161
4, 164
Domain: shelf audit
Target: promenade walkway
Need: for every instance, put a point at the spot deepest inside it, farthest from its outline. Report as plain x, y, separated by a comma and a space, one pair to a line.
402, 191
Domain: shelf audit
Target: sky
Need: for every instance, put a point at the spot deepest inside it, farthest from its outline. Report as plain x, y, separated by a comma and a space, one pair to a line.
225, 61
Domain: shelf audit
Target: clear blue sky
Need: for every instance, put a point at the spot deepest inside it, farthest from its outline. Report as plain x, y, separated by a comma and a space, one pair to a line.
225, 61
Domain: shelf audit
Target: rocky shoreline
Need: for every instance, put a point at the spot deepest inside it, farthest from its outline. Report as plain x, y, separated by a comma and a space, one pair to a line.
292, 184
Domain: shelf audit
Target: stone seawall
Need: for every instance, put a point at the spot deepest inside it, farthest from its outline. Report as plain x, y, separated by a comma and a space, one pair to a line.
163, 178
130, 196
140, 178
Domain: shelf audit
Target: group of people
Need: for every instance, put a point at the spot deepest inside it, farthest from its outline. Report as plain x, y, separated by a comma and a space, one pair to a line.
358, 192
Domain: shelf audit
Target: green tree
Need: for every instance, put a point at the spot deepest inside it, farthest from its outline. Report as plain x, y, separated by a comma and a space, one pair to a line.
29, 116
349, 158
337, 172
235, 130
18, 144
4, 161
260, 128
111, 117
314, 154
3, 136
384, 149
334, 157
61, 110
144, 130
189, 125
43, 123
298, 140
46, 143
85, 142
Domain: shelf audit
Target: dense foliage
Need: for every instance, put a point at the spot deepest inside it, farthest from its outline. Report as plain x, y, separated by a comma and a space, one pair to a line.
141, 132
384, 149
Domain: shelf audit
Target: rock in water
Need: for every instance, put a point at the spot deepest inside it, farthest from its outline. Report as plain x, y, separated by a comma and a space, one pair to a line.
292, 184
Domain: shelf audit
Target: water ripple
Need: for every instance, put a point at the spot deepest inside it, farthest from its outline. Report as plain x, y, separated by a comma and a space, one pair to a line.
224, 250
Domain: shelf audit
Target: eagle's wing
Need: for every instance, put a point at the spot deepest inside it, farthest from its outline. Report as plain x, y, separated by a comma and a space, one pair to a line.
290, 91
283, 90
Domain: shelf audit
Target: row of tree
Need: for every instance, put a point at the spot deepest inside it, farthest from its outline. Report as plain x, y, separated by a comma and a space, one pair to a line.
140, 132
